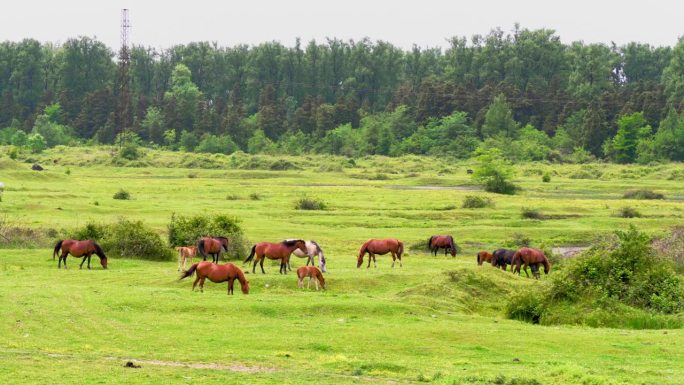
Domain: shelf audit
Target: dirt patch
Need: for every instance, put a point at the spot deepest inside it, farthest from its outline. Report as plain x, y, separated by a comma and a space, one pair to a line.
196, 365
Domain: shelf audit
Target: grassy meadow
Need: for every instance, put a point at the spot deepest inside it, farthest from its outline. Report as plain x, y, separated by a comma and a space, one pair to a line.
436, 319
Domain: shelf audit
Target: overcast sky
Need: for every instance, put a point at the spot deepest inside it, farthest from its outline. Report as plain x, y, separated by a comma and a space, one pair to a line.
427, 23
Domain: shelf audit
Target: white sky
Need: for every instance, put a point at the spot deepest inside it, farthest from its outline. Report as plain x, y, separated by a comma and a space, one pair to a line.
427, 23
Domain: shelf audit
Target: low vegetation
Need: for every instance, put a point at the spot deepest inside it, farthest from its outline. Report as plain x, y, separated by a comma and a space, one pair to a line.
122, 195
477, 202
643, 194
307, 203
186, 230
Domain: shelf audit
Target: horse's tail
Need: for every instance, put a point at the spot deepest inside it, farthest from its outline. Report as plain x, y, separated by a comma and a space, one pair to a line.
251, 255
57, 247
400, 251
189, 272
200, 248
430, 242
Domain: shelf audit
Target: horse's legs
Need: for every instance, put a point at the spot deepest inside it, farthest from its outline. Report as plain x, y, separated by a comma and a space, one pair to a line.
231, 281
300, 284
370, 256
62, 258
394, 258
308, 283
180, 258
316, 282
261, 264
525, 268
89, 256
82, 261
202, 284
375, 262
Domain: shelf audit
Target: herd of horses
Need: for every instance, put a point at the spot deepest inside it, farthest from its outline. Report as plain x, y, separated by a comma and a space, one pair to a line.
281, 251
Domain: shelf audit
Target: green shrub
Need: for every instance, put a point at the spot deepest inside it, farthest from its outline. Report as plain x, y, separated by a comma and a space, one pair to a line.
528, 213
122, 195
494, 174
281, 165
546, 178
476, 202
628, 212
306, 203
187, 230
643, 194
232, 197
526, 307
518, 240
130, 152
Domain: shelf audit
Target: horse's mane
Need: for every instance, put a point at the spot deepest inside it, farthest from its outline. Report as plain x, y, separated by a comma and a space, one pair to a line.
318, 248
291, 242
98, 250
430, 241
452, 244
222, 238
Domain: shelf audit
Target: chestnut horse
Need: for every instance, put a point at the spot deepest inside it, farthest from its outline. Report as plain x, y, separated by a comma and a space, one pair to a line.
531, 257
217, 274
484, 256
185, 252
280, 250
313, 273
380, 246
79, 249
312, 250
502, 258
445, 242
212, 245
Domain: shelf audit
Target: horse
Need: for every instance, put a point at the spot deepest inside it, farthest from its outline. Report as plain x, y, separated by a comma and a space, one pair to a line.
502, 258
78, 249
185, 252
212, 245
531, 257
311, 272
484, 256
380, 246
445, 242
217, 274
312, 250
280, 250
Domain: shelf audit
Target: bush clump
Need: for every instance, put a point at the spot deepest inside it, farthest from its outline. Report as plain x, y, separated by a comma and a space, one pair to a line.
494, 175
307, 203
187, 230
546, 178
628, 212
643, 194
528, 213
476, 202
122, 195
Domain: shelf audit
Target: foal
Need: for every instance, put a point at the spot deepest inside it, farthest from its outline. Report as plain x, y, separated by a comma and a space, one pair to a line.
313, 273
185, 252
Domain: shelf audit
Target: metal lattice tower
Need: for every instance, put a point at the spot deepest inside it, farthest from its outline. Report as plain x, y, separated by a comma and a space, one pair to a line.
124, 118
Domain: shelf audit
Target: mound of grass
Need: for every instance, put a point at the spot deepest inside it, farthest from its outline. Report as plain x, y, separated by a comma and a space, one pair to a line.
306, 203
477, 202
628, 212
643, 194
586, 173
529, 213
619, 282
122, 195
281, 165
255, 196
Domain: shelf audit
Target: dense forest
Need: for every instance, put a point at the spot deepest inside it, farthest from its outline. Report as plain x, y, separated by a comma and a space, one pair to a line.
524, 92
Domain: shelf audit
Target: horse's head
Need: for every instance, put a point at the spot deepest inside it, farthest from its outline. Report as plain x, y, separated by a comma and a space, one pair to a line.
321, 280
103, 262
301, 245
245, 287
359, 260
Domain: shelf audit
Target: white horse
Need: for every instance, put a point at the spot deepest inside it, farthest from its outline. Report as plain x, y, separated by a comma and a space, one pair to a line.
312, 250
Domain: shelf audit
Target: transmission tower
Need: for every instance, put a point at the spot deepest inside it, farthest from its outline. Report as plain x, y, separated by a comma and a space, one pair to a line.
123, 94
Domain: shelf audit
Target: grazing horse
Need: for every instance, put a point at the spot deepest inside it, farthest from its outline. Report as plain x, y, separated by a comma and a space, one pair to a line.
445, 242
79, 249
185, 252
531, 257
484, 256
312, 250
502, 258
280, 250
380, 246
313, 273
212, 245
217, 274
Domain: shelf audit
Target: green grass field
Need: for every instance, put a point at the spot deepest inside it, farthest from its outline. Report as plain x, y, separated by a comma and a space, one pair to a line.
438, 320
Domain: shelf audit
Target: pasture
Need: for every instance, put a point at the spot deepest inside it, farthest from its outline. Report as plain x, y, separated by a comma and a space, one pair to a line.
436, 319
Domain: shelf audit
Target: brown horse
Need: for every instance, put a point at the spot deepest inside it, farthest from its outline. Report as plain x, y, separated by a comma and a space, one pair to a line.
484, 256
502, 258
185, 252
280, 250
213, 246
79, 249
445, 242
380, 246
313, 273
217, 274
531, 257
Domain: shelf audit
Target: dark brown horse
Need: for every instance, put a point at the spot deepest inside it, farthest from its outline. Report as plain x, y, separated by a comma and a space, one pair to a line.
484, 256
445, 242
280, 250
217, 274
79, 249
213, 246
530, 257
501, 258
380, 246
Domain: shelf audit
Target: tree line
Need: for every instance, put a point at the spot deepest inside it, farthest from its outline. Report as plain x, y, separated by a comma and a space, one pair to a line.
522, 91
